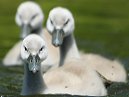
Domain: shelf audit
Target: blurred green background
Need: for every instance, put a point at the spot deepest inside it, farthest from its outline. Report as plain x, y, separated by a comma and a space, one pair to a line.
102, 27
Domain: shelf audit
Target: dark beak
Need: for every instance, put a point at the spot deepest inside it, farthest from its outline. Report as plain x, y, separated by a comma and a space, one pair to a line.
25, 31
57, 37
33, 61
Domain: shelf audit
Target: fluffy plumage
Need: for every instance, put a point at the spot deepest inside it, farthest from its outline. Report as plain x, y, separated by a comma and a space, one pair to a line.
29, 17
67, 79
60, 25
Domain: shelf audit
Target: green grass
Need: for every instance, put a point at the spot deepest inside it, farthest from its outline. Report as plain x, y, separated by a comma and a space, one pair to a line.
98, 21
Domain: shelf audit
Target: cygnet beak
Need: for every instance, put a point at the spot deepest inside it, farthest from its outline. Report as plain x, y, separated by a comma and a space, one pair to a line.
57, 37
33, 62
26, 29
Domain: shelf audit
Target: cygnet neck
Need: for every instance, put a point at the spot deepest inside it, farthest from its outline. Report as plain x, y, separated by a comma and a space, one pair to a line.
37, 30
68, 49
33, 83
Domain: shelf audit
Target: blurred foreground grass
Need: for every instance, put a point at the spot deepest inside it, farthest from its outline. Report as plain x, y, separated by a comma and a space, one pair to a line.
102, 27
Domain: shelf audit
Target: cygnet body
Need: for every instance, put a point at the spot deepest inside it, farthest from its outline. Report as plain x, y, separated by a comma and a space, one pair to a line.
29, 18
67, 79
60, 25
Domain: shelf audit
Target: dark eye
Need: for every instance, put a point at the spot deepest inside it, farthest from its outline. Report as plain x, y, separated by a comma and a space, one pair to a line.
41, 49
25, 48
20, 16
66, 22
51, 21
34, 16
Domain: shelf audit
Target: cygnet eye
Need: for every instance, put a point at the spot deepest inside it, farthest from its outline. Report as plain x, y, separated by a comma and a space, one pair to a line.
34, 16
51, 21
20, 16
41, 49
66, 22
25, 49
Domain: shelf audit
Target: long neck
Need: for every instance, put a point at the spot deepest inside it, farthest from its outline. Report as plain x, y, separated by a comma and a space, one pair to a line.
68, 49
33, 83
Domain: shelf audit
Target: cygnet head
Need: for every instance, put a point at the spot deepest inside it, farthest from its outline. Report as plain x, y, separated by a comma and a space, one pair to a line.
33, 52
60, 24
29, 17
